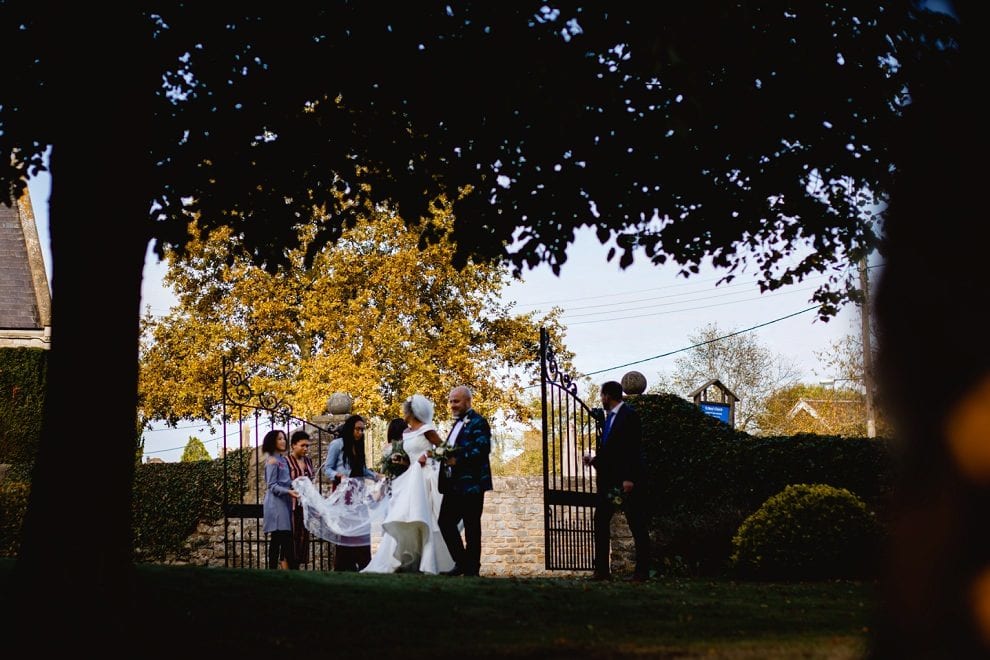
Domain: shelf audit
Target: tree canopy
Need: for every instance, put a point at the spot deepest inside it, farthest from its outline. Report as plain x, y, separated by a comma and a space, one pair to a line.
374, 316
817, 409
730, 131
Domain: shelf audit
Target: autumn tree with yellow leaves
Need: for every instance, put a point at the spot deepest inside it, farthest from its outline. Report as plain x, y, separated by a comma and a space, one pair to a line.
374, 316
817, 409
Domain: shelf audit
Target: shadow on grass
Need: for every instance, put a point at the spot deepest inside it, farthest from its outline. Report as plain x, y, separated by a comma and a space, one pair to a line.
231, 613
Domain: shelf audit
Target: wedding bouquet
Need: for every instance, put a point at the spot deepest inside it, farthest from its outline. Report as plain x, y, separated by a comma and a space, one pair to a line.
616, 496
395, 461
440, 453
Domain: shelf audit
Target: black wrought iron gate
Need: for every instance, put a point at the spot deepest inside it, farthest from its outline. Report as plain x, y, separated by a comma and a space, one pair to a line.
570, 429
244, 540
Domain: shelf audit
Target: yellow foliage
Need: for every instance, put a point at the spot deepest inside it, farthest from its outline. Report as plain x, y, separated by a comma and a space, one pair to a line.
530, 461
815, 409
373, 315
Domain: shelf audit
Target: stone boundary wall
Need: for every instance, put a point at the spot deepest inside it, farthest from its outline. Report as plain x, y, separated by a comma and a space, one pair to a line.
511, 538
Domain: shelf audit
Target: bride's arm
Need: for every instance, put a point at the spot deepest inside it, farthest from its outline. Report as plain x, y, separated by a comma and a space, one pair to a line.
433, 437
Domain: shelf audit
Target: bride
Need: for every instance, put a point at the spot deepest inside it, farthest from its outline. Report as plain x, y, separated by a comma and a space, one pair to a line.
411, 540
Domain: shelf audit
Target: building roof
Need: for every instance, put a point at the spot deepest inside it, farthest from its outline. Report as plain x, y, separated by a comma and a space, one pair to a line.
25, 301
815, 407
716, 383
805, 406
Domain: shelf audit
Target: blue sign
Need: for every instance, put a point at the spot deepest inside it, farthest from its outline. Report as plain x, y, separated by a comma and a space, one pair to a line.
719, 411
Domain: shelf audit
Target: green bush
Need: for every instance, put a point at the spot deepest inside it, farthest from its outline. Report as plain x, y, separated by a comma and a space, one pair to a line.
699, 536
13, 505
23, 374
808, 532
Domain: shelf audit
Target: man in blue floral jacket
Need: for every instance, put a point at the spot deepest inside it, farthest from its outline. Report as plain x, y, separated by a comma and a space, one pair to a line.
463, 482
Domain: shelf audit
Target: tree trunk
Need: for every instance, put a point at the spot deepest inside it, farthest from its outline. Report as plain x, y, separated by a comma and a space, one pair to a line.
73, 577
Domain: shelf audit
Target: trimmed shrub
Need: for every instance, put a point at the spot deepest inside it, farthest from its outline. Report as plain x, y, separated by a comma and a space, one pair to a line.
808, 532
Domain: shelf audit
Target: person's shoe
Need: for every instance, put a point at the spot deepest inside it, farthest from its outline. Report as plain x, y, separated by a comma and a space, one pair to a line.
454, 572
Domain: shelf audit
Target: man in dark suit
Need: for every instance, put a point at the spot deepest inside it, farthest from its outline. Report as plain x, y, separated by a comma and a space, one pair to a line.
463, 482
619, 464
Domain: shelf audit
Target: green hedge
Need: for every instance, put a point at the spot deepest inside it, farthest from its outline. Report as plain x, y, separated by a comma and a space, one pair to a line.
13, 505
706, 478
171, 498
169, 501
22, 398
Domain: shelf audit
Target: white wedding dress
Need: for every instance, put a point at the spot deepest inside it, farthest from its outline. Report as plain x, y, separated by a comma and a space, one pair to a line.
411, 540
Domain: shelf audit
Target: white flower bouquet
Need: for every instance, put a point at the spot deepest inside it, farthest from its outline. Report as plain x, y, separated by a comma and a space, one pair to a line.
440, 453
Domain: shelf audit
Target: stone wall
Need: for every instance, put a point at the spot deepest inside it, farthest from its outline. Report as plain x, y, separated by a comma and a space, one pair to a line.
511, 538
512, 528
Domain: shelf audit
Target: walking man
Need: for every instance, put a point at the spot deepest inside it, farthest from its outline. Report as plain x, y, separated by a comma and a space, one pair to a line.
619, 466
463, 481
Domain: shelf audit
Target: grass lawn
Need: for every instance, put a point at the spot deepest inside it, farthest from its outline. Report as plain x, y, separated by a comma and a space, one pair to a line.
233, 612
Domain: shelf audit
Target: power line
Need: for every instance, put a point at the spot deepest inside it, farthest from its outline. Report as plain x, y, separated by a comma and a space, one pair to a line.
612, 295
175, 428
687, 309
675, 295
162, 451
687, 301
609, 295
660, 288
688, 348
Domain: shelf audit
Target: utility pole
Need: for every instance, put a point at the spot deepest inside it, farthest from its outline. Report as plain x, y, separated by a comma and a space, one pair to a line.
864, 284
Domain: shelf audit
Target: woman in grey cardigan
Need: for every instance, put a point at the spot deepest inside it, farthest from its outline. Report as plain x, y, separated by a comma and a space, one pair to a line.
346, 459
278, 500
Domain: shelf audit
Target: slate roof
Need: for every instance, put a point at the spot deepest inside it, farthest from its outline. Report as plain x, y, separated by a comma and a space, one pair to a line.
25, 303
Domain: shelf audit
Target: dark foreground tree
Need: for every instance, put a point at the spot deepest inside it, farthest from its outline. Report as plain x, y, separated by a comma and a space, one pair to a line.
729, 131
935, 378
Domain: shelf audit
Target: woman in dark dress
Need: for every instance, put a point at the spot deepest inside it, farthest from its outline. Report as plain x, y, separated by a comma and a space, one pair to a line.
299, 466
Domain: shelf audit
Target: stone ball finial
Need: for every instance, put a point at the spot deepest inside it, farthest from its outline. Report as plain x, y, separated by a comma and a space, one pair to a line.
339, 403
633, 382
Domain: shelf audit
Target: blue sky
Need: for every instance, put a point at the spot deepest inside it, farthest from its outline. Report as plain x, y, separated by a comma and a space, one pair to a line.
613, 316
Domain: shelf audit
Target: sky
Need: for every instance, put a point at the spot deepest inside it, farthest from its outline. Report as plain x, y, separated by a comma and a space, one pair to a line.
614, 317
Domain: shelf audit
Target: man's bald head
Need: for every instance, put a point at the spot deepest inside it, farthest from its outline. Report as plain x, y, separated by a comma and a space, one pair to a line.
459, 400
